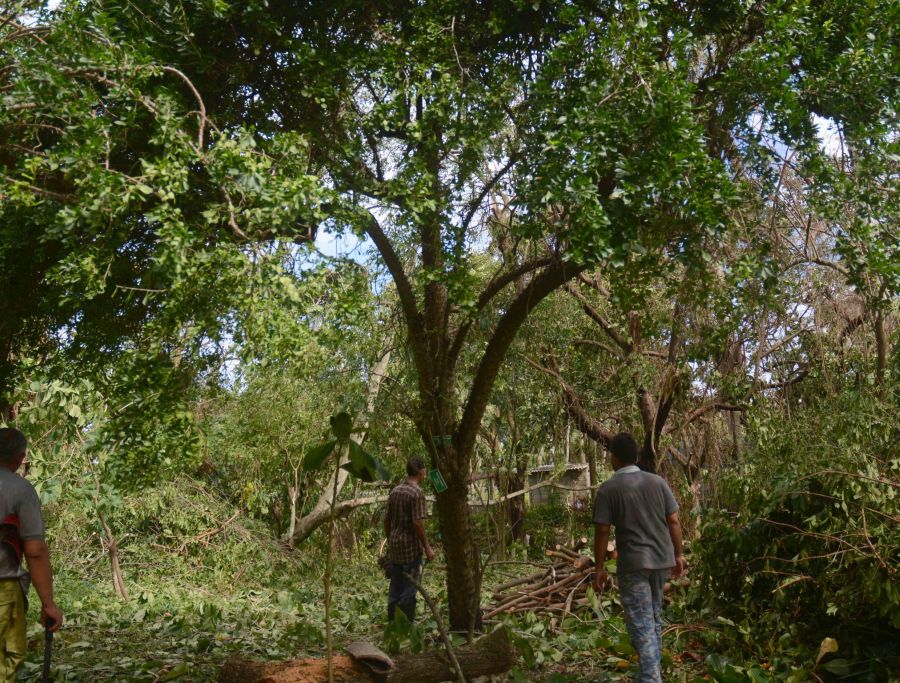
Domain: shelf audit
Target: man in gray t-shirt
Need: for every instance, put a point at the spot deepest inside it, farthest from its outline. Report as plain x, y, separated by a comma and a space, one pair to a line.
643, 510
21, 536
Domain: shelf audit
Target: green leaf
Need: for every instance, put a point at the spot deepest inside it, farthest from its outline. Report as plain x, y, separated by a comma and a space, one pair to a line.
518, 676
176, 672
341, 425
400, 624
623, 646
525, 649
722, 670
363, 465
316, 455
381, 471
356, 463
839, 667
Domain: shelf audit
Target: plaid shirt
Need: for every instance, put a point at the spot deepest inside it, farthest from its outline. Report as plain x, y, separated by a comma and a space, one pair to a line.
405, 504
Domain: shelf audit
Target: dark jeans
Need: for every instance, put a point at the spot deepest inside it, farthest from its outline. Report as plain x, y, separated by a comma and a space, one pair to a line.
402, 593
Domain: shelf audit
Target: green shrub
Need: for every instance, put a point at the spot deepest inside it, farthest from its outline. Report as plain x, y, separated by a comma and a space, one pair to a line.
805, 541
553, 522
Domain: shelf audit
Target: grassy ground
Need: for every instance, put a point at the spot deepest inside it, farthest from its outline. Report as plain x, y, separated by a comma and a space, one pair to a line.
203, 589
180, 630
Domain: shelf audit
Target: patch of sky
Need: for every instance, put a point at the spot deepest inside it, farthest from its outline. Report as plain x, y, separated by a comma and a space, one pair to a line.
343, 246
830, 138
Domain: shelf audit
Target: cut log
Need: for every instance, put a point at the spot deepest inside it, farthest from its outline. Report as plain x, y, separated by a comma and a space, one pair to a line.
583, 562
487, 656
311, 670
568, 552
518, 582
568, 557
562, 588
506, 606
493, 654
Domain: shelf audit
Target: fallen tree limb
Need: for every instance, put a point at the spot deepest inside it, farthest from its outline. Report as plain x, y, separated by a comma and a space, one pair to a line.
320, 513
318, 516
518, 582
493, 654
445, 637
543, 484
306, 525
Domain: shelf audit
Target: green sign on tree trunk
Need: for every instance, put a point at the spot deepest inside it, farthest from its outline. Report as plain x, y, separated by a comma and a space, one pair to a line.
437, 481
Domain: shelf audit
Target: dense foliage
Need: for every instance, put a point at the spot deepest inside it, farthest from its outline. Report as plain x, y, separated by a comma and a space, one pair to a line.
491, 233
803, 541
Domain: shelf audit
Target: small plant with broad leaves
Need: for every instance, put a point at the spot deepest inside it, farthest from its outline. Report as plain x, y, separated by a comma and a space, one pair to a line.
358, 462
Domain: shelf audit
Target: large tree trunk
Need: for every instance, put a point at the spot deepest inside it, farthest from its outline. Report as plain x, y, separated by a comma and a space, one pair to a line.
460, 552
463, 560
435, 354
316, 517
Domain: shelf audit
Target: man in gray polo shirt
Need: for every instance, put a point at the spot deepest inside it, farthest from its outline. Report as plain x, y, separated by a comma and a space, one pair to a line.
643, 510
21, 534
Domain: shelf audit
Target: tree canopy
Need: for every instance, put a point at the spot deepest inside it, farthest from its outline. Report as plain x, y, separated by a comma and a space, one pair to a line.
168, 166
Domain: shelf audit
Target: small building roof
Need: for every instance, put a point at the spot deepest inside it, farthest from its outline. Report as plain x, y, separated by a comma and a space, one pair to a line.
549, 468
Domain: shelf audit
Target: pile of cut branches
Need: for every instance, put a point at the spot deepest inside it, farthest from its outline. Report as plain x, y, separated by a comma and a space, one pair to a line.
559, 588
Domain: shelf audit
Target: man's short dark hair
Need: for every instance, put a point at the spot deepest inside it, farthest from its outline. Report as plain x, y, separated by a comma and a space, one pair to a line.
624, 447
12, 444
414, 465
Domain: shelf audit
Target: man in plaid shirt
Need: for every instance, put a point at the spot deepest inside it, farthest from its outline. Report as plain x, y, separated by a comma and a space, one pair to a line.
405, 531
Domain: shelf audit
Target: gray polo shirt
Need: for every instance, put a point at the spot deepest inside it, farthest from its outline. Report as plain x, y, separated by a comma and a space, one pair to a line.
18, 497
636, 503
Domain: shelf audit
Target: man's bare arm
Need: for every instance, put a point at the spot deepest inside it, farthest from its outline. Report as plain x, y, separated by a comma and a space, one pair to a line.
601, 541
423, 538
675, 533
37, 554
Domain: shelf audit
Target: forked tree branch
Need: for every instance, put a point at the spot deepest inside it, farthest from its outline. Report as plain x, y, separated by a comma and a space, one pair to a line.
493, 288
405, 293
202, 107
550, 279
584, 421
598, 318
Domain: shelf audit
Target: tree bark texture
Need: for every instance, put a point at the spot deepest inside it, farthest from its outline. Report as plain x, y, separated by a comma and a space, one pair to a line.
115, 565
460, 552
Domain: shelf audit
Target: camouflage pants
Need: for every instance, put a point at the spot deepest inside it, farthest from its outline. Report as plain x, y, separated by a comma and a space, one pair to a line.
12, 629
641, 593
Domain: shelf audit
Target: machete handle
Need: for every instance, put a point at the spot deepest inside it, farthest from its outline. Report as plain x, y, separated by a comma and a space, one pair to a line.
48, 648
